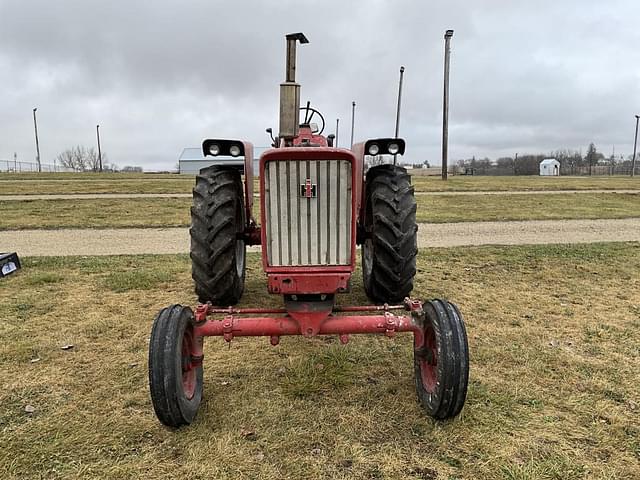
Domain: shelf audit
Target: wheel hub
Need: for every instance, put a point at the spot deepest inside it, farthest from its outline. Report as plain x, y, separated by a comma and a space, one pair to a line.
188, 370
428, 358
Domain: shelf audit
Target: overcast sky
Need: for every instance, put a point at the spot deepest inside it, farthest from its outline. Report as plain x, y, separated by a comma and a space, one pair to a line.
158, 76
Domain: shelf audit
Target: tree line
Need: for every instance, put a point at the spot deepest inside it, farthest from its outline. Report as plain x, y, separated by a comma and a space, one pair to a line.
83, 159
529, 164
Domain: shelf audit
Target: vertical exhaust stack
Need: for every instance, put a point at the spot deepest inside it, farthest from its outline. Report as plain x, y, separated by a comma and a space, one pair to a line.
290, 92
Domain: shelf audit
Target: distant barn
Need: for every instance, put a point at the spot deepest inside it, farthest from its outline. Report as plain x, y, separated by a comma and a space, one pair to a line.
191, 160
550, 167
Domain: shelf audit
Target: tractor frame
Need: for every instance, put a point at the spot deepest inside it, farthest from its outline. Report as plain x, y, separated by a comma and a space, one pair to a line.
309, 286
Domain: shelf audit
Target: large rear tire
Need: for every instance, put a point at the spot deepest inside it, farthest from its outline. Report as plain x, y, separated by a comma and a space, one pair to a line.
175, 381
441, 364
217, 225
390, 246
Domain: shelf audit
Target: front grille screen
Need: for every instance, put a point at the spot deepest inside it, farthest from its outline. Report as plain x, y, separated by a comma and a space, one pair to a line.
308, 212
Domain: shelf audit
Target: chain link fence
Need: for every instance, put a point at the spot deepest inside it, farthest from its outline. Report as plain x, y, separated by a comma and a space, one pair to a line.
12, 166
597, 170
565, 170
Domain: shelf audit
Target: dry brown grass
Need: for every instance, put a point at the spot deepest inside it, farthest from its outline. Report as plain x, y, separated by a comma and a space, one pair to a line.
69, 183
47, 183
554, 394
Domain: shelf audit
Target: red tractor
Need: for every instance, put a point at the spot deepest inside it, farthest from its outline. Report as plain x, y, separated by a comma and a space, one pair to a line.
317, 202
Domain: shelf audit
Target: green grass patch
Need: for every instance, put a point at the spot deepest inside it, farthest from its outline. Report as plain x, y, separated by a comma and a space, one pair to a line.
516, 183
135, 280
324, 371
103, 213
481, 208
174, 212
553, 390
44, 278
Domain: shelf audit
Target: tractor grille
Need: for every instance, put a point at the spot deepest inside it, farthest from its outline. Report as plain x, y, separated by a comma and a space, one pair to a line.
308, 212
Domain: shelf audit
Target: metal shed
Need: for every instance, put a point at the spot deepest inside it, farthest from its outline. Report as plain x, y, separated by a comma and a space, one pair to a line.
191, 160
550, 167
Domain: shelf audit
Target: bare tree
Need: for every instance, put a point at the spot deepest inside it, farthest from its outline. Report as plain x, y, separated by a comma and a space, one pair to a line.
66, 159
593, 157
131, 169
81, 159
93, 161
109, 167
505, 162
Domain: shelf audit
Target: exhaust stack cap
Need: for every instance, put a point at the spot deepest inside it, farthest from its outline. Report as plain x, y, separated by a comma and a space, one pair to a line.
298, 36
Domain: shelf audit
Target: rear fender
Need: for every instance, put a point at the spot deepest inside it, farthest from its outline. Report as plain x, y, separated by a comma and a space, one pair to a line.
244, 165
360, 150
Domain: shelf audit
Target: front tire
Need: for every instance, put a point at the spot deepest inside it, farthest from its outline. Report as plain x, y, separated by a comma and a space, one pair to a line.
441, 364
175, 381
217, 225
390, 245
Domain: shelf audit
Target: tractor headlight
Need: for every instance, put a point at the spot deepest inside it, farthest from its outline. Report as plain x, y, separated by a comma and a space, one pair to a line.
393, 148
373, 149
234, 150
214, 149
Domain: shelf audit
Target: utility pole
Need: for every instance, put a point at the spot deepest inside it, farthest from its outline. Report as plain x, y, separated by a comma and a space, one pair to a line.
445, 103
399, 103
99, 151
35, 126
337, 125
635, 144
15, 162
353, 120
398, 109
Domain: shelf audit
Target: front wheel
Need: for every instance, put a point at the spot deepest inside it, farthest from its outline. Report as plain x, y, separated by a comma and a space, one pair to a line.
441, 363
175, 375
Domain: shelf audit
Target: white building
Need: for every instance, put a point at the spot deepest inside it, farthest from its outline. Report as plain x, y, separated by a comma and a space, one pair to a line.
550, 167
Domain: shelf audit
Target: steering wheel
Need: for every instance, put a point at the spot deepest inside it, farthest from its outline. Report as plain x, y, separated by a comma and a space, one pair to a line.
309, 113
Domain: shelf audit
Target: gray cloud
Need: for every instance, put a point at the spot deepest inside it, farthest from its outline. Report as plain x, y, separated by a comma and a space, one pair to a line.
161, 75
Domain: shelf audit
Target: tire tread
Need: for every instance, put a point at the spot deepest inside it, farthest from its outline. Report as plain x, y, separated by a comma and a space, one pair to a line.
217, 197
391, 201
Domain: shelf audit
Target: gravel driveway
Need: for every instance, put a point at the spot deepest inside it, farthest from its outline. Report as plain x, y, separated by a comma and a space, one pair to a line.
176, 240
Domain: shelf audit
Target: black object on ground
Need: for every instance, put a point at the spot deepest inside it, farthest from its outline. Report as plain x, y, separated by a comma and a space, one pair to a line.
9, 263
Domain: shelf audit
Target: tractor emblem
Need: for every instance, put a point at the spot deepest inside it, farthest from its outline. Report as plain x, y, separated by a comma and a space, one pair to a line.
308, 189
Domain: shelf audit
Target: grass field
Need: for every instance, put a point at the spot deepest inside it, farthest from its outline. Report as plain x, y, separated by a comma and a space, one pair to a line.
555, 351
480, 208
483, 184
138, 212
172, 184
11, 184
85, 176
153, 212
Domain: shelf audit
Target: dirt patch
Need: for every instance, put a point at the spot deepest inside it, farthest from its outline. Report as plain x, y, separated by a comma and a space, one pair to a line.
528, 232
176, 240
